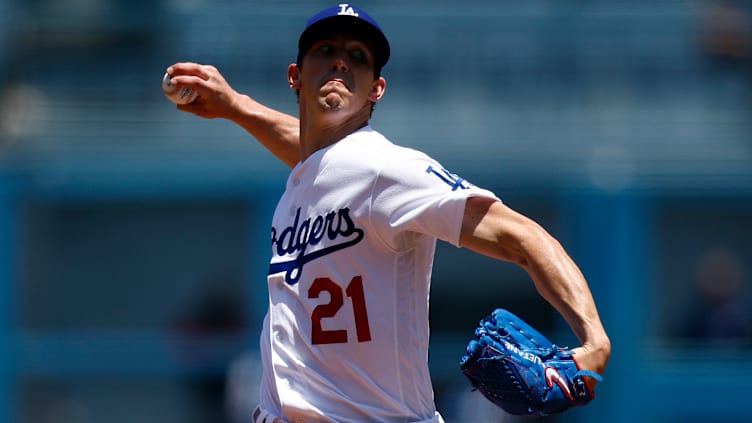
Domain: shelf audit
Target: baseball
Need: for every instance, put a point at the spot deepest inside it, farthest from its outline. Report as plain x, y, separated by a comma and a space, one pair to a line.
183, 95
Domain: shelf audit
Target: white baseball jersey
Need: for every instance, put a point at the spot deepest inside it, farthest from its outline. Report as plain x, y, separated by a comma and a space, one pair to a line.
345, 338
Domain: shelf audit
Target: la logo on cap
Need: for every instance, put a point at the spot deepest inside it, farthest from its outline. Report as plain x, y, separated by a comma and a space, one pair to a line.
346, 9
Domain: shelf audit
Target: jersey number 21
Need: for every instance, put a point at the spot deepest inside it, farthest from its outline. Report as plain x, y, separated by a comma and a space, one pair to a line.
354, 292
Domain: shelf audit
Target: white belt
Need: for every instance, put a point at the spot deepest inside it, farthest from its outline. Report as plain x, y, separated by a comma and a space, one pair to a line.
262, 416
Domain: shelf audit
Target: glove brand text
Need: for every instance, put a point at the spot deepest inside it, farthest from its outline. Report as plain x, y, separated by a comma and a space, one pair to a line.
524, 354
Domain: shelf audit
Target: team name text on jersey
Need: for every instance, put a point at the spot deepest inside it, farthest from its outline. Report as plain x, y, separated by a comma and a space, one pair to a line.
335, 226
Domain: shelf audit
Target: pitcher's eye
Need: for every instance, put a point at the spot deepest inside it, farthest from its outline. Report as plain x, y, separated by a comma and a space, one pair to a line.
325, 49
358, 55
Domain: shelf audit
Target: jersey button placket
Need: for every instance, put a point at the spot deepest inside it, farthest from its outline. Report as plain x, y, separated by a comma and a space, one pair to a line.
295, 184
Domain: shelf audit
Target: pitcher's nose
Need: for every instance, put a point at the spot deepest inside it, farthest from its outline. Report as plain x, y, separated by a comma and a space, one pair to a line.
340, 65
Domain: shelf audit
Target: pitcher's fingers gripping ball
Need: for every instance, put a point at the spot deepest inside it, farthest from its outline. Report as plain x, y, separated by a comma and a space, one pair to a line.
521, 371
177, 95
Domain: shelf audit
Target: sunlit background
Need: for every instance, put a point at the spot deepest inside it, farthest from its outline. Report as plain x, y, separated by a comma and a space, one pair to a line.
134, 237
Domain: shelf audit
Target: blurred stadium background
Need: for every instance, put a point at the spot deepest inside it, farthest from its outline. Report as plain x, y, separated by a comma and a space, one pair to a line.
133, 238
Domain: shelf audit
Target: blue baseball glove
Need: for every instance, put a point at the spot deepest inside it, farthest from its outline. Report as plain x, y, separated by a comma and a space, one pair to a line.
521, 371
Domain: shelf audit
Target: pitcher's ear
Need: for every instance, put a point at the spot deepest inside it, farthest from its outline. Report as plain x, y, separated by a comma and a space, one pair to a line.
377, 89
293, 76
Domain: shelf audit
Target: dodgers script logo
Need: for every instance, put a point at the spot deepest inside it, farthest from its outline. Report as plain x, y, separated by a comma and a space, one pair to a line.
334, 231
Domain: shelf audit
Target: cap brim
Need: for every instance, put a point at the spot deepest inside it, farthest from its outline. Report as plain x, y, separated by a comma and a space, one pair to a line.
360, 28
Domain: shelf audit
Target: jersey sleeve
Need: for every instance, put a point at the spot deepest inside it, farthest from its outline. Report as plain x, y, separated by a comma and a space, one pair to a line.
420, 196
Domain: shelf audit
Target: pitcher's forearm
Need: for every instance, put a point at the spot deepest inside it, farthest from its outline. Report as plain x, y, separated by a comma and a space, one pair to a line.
277, 131
558, 279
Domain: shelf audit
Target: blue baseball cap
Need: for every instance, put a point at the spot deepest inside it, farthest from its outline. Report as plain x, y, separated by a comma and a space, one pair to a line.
345, 18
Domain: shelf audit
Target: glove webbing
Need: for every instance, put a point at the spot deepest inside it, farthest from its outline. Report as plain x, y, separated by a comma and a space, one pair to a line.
544, 351
495, 385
